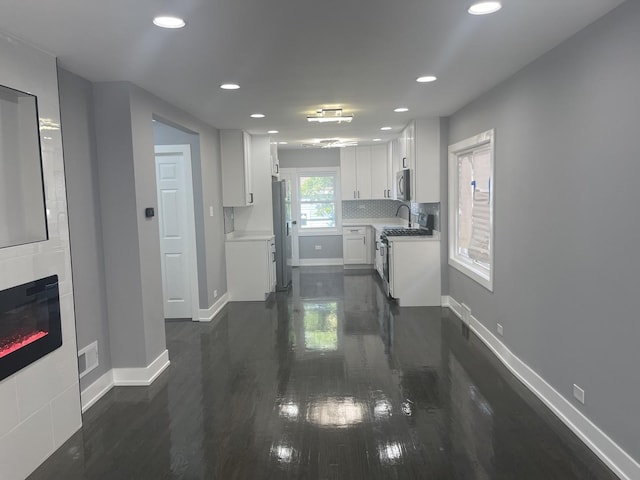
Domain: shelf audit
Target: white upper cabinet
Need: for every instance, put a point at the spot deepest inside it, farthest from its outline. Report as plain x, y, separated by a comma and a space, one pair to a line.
235, 150
348, 176
365, 173
418, 148
381, 180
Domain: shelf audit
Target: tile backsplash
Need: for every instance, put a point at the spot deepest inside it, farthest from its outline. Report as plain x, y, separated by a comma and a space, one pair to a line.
228, 219
369, 208
388, 208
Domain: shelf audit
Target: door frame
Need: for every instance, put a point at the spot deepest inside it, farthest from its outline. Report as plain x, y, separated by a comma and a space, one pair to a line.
185, 151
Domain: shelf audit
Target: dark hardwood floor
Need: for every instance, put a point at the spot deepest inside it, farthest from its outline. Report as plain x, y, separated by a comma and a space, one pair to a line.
329, 381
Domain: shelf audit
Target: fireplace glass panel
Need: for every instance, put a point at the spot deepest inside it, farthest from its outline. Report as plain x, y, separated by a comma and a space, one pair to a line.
29, 323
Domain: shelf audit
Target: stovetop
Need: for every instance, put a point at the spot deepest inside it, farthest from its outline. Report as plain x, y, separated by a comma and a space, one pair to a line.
407, 232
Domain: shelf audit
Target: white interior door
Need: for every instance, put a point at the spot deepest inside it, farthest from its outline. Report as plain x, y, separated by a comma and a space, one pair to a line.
177, 231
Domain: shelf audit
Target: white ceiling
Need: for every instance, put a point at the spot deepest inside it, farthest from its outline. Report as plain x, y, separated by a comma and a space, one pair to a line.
291, 57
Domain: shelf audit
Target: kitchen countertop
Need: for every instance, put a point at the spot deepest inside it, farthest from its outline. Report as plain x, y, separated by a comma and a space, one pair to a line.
379, 223
248, 236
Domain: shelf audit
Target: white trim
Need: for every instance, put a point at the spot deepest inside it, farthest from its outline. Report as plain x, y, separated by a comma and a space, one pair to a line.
94, 392
444, 301
141, 376
208, 314
309, 262
475, 272
599, 442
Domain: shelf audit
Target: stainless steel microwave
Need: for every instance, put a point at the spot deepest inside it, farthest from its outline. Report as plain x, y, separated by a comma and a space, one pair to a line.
403, 185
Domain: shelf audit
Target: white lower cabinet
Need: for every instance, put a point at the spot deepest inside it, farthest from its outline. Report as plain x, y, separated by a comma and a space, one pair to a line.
356, 245
251, 269
414, 272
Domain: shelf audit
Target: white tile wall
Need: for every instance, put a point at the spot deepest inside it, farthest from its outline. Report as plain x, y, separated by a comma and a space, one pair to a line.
40, 404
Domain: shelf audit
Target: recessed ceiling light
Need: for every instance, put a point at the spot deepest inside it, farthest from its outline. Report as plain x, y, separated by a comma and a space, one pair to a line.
257, 115
273, 131
169, 22
401, 109
377, 139
385, 128
484, 8
229, 86
283, 143
426, 79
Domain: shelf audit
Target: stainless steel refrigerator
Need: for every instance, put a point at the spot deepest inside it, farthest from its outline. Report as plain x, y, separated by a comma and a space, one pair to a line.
282, 230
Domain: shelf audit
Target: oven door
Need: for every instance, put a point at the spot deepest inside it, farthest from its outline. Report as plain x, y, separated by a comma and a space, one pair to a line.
384, 252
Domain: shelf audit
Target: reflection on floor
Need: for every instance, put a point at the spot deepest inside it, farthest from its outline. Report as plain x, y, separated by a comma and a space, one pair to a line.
329, 381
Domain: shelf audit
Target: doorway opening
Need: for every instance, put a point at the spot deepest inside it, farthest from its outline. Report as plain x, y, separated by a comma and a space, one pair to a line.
175, 150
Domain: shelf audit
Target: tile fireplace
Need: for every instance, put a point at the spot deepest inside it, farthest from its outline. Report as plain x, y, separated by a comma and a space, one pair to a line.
29, 323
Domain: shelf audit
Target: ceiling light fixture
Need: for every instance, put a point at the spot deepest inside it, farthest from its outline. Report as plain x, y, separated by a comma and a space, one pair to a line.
257, 115
385, 128
327, 115
426, 79
484, 8
229, 86
377, 139
169, 22
283, 143
273, 131
401, 109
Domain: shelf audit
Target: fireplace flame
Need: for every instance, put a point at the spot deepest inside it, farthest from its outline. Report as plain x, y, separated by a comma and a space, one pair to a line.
12, 347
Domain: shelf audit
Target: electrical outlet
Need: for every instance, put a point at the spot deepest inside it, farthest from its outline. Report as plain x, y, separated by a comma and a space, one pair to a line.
466, 314
318, 247
215, 294
578, 393
500, 329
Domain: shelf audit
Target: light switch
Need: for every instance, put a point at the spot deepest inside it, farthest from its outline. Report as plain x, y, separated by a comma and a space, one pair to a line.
211, 210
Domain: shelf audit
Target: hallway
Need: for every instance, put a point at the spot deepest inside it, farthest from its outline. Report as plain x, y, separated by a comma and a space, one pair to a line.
329, 381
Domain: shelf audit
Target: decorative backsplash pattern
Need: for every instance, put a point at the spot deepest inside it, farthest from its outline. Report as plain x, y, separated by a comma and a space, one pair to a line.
370, 208
228, 219
388, 208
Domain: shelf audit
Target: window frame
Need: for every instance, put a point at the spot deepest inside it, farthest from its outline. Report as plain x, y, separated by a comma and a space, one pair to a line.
472, 268
318, 171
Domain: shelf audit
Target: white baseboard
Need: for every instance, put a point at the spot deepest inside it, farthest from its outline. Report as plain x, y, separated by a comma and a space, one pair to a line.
96, 390
599, 442
141, 376
311, 262
206, 315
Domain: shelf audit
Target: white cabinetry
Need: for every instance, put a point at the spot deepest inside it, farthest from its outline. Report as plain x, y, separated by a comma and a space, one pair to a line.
251, 268
381, 179
365, 173
414, 272
356, 245
419, 149
235, 150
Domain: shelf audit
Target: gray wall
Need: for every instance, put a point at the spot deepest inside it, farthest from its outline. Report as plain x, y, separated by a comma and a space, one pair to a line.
311, 157
85, 229
566, 230
331, 246
121, 239
144, 106
164, 134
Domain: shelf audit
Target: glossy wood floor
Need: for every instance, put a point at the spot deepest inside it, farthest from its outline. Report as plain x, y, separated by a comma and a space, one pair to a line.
329, 381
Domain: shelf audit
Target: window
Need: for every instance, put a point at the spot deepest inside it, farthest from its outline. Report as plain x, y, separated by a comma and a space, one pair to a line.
471, 187
318, 204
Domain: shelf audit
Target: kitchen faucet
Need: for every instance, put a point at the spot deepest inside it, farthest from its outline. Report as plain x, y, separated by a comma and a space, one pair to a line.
408, 210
